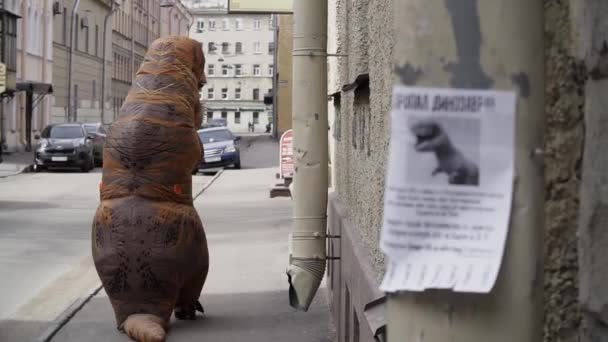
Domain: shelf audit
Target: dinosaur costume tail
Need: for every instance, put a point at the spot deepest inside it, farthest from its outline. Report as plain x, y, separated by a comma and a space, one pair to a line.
145, 328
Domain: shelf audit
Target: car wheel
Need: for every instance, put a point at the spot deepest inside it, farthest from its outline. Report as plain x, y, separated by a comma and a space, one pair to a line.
194, 172
38, 168
237, 165
89, 165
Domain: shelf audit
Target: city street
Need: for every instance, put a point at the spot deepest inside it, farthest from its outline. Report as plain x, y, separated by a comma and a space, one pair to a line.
45, 248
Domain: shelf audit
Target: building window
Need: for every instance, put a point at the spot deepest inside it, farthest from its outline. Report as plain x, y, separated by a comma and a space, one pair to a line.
86, 39
238, 68
257, 47
209, 116
271, 48
65, 26
256, 94
257, 24
200, 26
93, 93
212, 24
237, 117
271, 70
76, 30
256, 70
97, 40
271, 22
237, 93
238, 48
225, 24
211, 47
256, 117
225, 70
224, 93
210, 94
224, 115
210, 69
225, 48
239, 23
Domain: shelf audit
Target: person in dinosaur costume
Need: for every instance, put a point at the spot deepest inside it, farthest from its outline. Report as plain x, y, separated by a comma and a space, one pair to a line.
148, 242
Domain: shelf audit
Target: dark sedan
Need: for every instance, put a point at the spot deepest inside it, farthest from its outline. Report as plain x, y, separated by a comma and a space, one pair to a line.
221, 148
64, 146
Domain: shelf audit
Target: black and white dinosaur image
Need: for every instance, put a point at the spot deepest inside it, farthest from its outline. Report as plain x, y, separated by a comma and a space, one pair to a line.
431, 137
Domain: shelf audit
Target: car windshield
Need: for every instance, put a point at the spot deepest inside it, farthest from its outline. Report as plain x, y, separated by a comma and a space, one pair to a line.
66, 132
90, 129
215, 136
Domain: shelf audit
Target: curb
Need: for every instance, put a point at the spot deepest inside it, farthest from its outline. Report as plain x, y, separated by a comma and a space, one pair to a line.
65, 317
23, 169
217, 175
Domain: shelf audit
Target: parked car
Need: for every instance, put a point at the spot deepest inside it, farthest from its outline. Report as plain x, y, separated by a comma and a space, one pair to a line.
98, 141
221, 148
63, 146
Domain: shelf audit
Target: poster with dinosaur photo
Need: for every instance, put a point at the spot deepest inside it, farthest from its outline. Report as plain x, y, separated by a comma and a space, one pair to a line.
448, 188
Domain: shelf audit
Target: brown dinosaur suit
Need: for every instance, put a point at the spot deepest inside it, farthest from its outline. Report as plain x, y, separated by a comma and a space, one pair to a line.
148, 241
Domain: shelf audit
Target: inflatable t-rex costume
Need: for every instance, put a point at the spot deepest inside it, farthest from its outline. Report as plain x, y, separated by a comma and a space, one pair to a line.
148, 241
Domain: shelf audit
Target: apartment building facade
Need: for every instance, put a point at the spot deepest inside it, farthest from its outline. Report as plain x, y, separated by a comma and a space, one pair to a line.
26, 108
136, 24
239, 51
87, 59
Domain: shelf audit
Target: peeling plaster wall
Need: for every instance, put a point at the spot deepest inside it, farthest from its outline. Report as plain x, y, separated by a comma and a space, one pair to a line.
591, 46
364, 30
564, 103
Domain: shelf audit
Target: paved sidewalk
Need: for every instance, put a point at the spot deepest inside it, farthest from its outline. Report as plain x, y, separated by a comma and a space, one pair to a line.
15, 163
246, 295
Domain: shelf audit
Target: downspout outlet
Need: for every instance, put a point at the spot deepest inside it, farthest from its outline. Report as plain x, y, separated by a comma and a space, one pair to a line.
305, 273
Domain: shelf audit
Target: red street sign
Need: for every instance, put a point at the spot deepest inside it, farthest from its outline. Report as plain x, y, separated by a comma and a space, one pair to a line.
286, 155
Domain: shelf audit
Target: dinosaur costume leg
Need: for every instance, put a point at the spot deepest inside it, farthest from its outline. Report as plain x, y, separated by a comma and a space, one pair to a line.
148, 242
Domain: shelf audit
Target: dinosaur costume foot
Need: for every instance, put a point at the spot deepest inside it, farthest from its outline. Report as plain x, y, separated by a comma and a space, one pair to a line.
188, 312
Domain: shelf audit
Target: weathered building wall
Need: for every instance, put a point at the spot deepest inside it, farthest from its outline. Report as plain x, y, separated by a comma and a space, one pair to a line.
362, 37
359, 137
591, 47
565, 78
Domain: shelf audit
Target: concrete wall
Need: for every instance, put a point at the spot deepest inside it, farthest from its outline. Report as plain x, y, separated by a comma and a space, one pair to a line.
359, 135
564, 103
591, 48
359, 139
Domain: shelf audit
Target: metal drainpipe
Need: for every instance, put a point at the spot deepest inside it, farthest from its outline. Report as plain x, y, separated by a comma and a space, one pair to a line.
71, 59
19, 121
275, 80
307, 257
44, 115
113, 8
132, 41
489, 44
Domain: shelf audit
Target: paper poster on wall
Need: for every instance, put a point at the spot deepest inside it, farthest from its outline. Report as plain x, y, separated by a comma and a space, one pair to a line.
448, 189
